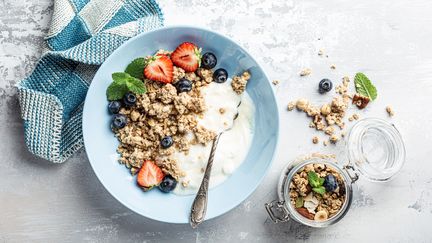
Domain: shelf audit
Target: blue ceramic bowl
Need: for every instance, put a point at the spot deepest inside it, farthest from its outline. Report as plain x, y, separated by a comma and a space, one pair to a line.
101, 144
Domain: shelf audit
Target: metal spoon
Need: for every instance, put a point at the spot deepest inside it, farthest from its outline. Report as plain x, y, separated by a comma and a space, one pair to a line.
199, 205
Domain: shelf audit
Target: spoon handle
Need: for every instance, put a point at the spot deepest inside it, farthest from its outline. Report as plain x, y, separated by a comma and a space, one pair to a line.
199, 205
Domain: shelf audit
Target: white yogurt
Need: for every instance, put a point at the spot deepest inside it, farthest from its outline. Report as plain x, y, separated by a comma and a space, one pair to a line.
233, 144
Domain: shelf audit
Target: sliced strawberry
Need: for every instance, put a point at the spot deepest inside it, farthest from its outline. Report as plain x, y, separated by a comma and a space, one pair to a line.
149, 175
159, 68
187, 56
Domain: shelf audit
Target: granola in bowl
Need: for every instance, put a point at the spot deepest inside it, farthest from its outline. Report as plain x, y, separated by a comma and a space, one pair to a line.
167, 109
317, 191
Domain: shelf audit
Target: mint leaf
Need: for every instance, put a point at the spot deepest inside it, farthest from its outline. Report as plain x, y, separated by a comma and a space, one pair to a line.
116, 91
123, 83
299, 202
321, 181
136, 68
120, 77
135, 85
313, 179
321, 190
364, 86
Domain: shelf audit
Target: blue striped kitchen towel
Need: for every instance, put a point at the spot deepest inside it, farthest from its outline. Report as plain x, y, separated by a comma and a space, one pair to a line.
83, 33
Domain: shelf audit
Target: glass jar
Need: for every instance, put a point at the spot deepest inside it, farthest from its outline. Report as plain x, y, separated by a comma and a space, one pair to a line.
374, 149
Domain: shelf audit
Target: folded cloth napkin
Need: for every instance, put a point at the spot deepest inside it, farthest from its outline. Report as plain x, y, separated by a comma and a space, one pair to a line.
83, 33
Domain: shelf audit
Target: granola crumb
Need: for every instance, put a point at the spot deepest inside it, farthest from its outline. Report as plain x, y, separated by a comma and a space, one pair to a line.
291, 106
221, 111
390, 111
275, 82
320, 52
333, 66
185, 183
315, 140
325, 143
353, 117
239, 82
305, 72
334, 139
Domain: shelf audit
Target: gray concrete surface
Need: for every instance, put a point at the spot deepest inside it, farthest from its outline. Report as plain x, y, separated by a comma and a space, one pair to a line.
388, 40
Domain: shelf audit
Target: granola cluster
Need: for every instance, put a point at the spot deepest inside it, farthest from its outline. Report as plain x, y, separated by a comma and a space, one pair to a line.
163, 112
313, 205
239, 82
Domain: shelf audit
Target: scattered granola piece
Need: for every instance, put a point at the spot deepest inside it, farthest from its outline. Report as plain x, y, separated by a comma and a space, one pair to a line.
221, 111
333, 66
329, 130
325, 143
325, 109
239, 82
305, 72
360, 101
291, 106
315, 140
320, 52
343, 134
275, 82
390, 111
302, 104
353, 117
334, 138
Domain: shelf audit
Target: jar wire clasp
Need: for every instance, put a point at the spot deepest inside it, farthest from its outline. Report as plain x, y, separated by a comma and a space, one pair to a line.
350, 170
277, 211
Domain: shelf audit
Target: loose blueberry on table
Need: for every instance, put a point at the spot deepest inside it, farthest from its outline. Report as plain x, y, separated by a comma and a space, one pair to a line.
325, 86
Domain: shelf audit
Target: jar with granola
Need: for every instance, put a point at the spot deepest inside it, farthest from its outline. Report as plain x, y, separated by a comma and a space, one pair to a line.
316, 190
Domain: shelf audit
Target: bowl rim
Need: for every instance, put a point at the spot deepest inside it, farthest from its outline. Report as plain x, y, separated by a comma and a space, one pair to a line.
276, 117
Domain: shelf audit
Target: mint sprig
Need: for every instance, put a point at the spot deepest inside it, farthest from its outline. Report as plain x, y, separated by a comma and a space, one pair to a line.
136, 68
123, 83
316, 182
364, 86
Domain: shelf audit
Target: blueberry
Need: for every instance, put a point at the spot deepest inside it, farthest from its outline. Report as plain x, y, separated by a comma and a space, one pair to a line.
184, 85
208, 60
220, 75
168, 184
129, 99
114, 106
166, 142
325, 86
330, 183
119, 121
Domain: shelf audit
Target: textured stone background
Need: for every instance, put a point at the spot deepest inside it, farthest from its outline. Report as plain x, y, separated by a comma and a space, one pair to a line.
389, 40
